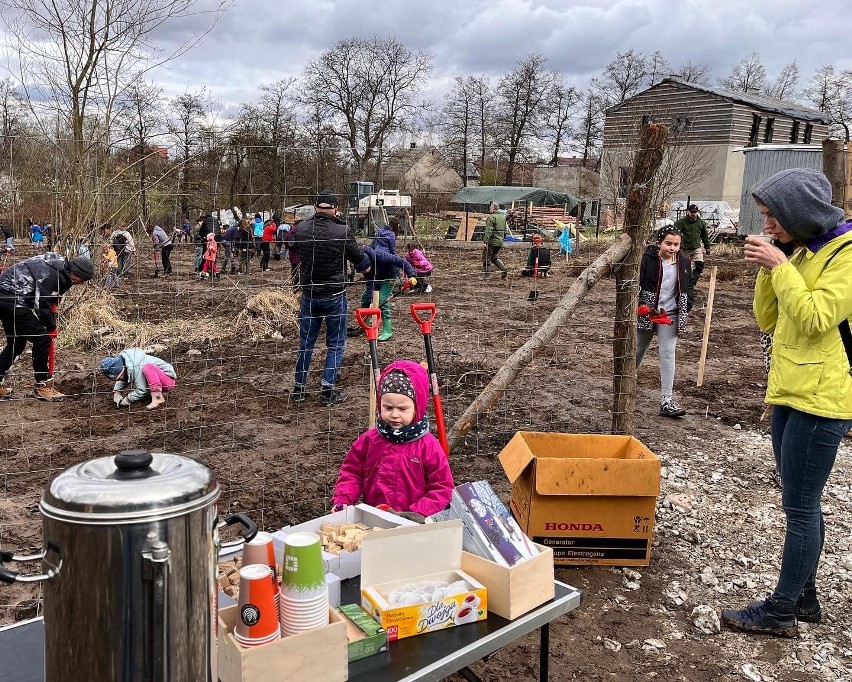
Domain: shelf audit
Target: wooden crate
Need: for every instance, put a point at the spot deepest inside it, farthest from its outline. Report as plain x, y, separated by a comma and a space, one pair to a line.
514, 590
320, 655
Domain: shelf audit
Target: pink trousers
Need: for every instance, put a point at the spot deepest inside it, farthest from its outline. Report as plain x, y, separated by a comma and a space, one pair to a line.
157, 379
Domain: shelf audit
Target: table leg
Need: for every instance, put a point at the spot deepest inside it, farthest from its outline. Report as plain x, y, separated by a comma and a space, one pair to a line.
469, 675
544, 652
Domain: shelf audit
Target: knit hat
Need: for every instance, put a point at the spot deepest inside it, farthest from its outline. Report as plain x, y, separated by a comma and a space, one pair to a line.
396, 381
800, 200
326, 199
112, 367
82, 267
211, 237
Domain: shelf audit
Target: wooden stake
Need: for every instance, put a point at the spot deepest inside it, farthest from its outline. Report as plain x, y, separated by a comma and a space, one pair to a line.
374, 304
708, 316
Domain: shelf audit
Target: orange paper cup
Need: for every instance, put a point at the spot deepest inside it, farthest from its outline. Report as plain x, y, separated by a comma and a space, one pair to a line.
257, 620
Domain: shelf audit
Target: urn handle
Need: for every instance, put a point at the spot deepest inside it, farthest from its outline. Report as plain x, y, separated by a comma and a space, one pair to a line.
51, 567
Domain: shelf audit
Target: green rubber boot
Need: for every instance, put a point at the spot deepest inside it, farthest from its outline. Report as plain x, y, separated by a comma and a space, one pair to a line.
387, 333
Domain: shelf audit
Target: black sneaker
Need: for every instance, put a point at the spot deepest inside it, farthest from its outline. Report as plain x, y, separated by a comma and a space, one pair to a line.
763, 617
808, 609
330, 396
671, 409
297, 395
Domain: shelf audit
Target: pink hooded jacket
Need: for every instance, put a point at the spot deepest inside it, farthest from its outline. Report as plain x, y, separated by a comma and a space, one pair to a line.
412, 476
420, 263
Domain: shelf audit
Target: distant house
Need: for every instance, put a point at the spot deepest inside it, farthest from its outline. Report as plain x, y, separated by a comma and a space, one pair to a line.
420, 171
707, 124
570, 174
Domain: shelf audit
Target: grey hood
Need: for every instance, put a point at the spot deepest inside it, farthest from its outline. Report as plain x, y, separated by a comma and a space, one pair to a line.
800, 200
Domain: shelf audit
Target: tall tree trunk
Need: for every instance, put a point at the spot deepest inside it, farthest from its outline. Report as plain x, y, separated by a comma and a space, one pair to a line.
637, 214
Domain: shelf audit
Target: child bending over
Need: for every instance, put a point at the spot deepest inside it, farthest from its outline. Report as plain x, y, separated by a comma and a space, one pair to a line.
422, 267
145, 373
398, 462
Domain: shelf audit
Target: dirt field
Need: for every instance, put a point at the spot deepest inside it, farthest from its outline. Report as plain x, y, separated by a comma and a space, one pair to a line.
277, 461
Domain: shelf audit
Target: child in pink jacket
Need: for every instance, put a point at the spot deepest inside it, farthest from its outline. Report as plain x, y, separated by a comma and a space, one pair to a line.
422, 268
398, 462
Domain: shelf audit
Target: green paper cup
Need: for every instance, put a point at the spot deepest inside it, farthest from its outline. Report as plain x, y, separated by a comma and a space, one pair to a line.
302, 574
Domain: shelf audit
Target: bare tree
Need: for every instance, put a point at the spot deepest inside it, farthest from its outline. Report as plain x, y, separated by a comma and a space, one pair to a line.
622, 78
694, 73
187, 130
141, 120
520, 106
830, 91
749, 75
657, 68
368, 89
459, 122
563, 103
784, 86
75, 58
483, 101
590, 129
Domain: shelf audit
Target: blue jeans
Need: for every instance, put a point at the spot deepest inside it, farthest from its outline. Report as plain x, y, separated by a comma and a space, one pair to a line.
805, 447
312, 311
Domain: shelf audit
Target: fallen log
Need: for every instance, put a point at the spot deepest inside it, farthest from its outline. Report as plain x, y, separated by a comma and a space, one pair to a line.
543, 335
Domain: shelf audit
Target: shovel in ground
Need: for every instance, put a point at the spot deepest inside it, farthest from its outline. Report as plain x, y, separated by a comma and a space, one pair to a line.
156, 265
418, 309
370, 319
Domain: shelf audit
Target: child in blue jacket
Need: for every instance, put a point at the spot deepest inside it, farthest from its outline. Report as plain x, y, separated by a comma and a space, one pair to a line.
380, 269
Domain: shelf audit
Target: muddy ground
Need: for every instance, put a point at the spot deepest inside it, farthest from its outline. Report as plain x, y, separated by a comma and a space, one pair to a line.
277, 461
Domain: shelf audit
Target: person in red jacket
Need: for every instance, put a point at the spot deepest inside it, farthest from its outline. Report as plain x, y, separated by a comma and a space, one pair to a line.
269, 230
398, 462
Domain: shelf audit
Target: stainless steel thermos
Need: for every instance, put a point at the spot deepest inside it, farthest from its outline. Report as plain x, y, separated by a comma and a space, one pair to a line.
129, 570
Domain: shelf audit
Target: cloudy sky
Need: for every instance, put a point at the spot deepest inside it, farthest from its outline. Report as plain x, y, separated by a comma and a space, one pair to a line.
260, 41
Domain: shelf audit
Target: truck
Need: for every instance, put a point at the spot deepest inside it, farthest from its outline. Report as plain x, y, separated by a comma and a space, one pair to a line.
368, 210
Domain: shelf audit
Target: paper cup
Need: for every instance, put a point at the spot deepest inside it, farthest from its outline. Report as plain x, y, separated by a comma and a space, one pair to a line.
260, 550
302, 574
257, 619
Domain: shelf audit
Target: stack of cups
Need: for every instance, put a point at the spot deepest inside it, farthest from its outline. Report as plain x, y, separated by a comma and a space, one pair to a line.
260, 550
304, 593
257, 621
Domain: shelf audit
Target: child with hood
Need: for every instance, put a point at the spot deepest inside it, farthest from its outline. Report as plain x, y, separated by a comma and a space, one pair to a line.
209, 268
398, 462
146, 373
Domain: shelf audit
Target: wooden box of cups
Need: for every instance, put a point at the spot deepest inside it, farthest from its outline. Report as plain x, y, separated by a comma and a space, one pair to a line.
514, 590
412, 580
318, 655
345, 563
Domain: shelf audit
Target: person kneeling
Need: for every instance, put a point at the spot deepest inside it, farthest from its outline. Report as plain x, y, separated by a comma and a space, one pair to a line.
540, 253
145, 373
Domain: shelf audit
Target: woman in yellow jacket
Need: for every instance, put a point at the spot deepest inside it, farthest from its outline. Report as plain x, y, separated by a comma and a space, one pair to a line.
802, 301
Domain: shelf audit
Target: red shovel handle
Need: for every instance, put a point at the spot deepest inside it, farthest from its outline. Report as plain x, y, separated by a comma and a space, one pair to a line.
424, 322
370, 328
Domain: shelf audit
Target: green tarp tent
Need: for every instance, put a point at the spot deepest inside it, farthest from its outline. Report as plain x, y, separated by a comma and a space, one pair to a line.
478, 198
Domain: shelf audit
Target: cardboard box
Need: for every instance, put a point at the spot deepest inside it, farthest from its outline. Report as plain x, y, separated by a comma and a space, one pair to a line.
514, 590
590, 498
346, 564
318, 655
366, 637
393, 558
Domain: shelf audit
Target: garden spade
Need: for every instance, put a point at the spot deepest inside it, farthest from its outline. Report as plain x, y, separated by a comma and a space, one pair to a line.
370, 319
418, 309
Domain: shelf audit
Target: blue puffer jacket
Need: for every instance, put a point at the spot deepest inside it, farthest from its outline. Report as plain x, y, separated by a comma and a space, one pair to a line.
383, 266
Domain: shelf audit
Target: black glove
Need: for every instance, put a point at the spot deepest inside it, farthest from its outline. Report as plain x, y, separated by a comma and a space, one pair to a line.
48, 320
411, 516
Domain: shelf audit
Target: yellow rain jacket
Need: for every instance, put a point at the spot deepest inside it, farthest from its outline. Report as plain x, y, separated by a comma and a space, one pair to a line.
802, 302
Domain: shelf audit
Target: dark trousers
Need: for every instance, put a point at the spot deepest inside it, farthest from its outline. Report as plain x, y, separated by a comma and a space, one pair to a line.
165, 254
312, 312
264, 258
805, 447
21, 325
123, 263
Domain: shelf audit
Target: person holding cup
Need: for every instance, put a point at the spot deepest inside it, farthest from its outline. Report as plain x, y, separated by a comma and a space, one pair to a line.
805, 302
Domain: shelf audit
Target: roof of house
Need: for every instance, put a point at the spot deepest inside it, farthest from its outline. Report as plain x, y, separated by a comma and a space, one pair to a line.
399, 163
758, 101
